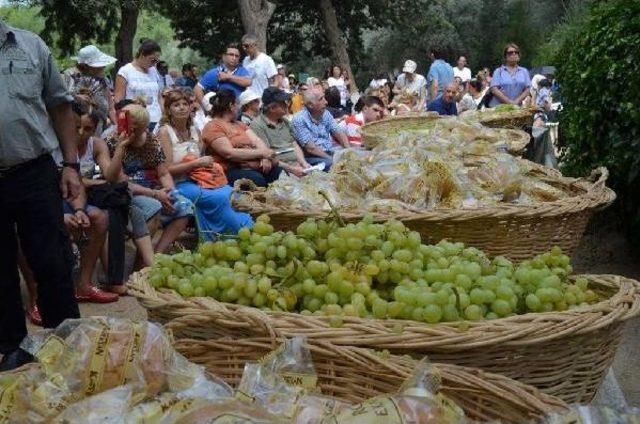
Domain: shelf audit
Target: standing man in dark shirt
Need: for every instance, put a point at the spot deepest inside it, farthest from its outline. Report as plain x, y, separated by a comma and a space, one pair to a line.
35, 118
189, 76
445, 104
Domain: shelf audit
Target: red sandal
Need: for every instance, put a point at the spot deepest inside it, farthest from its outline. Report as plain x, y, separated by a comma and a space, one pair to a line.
95, 295
33, 314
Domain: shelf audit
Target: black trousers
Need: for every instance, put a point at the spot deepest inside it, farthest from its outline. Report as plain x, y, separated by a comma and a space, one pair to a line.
31, 203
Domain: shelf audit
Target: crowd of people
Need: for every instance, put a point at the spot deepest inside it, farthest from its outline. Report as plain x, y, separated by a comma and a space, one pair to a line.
155, 154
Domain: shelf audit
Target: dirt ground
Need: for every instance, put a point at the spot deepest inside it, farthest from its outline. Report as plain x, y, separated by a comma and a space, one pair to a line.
603, 251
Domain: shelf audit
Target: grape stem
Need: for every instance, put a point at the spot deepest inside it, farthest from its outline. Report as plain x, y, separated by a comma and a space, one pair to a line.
178, 261
334, 210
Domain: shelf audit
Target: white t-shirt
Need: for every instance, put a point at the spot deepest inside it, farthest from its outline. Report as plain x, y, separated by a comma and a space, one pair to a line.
464, 74
261, 69
342, 87
145, 85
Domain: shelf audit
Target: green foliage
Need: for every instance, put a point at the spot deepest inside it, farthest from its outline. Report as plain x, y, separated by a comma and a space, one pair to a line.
599, 72
478, 30
150, 25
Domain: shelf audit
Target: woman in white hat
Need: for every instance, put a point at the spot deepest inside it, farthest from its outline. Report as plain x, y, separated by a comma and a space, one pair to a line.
249, 106
87, 81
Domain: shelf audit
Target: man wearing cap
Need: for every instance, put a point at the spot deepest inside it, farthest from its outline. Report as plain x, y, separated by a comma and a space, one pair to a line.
410, 82
229, 74
276, 132
35, 118
249, 102
87, 80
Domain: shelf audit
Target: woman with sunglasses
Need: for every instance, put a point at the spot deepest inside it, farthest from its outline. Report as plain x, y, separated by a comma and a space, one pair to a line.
139, 80
510, 83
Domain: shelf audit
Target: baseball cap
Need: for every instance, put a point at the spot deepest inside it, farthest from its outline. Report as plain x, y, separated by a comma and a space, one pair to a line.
247, 96
273, 95
280, 66
409, 66
92, 56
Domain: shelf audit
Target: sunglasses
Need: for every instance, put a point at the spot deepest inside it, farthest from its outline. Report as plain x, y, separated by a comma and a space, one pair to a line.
513, 52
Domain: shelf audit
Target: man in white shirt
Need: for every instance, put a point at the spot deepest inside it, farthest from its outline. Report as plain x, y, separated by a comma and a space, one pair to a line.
461, 71
260, 66
411, 83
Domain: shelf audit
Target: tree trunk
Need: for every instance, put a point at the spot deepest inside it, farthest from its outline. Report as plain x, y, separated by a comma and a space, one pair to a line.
255, 15
126, 33
336, 43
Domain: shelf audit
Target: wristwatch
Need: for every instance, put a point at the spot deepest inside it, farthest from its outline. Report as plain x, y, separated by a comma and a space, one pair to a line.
73, 165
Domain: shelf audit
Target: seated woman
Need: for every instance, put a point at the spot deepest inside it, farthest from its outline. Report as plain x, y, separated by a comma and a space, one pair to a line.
198, 177
138, 158
241, 153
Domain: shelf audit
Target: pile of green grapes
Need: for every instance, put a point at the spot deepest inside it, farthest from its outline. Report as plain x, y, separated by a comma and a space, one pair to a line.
368, 269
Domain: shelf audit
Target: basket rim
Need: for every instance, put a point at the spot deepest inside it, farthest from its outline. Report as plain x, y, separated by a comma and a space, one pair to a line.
514, 331
596, 195
523, 394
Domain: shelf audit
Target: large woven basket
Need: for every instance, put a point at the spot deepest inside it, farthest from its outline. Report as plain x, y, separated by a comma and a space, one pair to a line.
377, 132
514, 119
516, 231
355, 374
565, 354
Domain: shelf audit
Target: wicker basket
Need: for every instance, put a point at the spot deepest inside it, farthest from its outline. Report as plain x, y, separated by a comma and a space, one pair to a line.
377, 132
565, 354
514, 119
355, 374
513, 230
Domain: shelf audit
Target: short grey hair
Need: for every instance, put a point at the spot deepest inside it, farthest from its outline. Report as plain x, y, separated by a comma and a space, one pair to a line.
249, 39
311, 95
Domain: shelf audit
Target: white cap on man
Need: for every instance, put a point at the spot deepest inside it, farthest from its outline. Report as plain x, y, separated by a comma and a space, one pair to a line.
92, 57
280, 66
410, 66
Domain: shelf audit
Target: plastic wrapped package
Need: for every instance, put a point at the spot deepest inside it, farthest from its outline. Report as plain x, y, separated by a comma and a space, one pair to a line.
417, 401
595, 414
292, 361
108, 407
96, 354
91, 356
260, 386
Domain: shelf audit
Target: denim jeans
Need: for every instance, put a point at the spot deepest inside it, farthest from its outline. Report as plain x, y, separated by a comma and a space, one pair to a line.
31, 211
314, 160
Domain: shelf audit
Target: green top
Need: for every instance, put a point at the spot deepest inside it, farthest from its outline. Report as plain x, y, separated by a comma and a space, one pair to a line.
277, 137
30, 84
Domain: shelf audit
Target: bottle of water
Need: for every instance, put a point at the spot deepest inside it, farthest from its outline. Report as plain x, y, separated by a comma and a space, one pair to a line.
181, 204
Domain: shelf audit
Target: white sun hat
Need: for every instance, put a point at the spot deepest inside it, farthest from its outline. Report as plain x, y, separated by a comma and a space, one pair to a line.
410, 66
92, 56
247, 97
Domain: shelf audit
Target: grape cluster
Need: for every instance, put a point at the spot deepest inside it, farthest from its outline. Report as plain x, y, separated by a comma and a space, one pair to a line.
368, 269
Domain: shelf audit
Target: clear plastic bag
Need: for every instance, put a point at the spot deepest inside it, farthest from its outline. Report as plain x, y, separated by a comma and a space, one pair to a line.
292, 361
90, 356
417, 401
595, 414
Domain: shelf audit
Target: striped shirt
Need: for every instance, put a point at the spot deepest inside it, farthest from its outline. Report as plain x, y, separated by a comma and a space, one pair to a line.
351, 127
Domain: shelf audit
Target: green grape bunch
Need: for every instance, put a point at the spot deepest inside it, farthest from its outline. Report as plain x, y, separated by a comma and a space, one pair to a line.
369, 270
